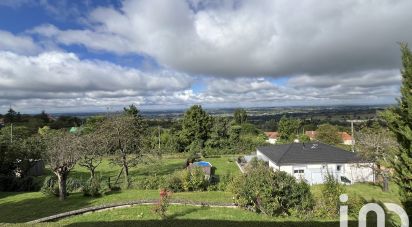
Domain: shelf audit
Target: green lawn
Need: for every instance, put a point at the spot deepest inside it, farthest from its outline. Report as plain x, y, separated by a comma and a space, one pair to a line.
161, 167
22, 207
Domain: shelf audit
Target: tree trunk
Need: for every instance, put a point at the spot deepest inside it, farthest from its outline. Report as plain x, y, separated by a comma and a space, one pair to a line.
92, 173
126, 171
62, 177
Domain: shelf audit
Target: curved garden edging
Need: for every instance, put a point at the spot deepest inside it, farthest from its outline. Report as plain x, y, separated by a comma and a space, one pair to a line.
126, 204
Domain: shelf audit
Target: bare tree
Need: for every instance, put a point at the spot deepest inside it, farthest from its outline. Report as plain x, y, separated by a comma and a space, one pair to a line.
376, 144
126, 134
93, 147
62, 152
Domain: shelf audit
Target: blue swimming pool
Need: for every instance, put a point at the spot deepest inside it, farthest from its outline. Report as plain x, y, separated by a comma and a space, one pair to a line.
202, 164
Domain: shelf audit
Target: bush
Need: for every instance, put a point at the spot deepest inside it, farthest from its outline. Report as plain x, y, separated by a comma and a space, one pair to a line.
95, 187
50, 186
355, 203
174, 183
273, 193
194, 179
150, 182
328, 204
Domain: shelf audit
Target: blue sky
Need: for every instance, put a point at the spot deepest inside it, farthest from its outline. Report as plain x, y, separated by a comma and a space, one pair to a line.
90, 55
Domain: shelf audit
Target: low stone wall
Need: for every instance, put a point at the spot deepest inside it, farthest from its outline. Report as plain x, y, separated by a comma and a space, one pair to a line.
124, 205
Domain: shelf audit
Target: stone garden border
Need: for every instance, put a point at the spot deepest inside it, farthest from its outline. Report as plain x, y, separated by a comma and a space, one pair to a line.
127, 204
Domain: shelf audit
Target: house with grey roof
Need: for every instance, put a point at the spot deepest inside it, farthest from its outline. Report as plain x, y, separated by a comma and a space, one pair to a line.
312, 162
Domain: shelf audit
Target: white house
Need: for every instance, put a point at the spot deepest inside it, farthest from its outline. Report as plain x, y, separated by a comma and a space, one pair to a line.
272, 137
313, 161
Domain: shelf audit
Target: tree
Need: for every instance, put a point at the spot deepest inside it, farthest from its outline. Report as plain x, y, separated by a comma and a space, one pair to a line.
288, 128
196, 125
329, 134
61, 153
219, 134
10, 116
240, 116
93, 147
399, 121
132, 110
376, 144
126, 135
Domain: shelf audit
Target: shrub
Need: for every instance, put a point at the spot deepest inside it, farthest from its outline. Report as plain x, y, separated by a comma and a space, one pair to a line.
150, 182
328, 204
95, 187
50, 186
174, 182
355, 203
273, 193
194, 179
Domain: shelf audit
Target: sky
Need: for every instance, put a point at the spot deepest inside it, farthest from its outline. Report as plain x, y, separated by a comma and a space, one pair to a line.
94, 55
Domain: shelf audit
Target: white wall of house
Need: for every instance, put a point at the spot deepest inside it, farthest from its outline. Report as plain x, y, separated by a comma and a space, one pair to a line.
271, 141
347, 142
316, 173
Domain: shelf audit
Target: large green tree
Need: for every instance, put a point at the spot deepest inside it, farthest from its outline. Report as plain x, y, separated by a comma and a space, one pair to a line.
399, 120
240, 116
196, 125
288, 128
329, 134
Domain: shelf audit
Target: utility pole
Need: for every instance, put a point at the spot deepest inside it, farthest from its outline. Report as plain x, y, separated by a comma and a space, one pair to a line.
353, 132
11, 133
158, 127
11, 128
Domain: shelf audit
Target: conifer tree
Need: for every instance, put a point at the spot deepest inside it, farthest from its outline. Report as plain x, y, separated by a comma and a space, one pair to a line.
399, 120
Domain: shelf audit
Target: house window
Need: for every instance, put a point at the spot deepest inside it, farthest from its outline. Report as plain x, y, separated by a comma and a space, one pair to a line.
298, 171
338, 167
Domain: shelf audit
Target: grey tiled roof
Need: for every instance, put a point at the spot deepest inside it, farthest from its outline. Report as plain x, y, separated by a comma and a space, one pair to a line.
308, 153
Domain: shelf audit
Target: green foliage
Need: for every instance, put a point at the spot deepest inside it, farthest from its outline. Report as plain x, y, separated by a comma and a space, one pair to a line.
95, 187
355, 203
288, 128
273, 193
193, 179
328, 204
303, 138
328, 134
174, 182
50, 186
196, 124
240, 116
150, 182
399, 120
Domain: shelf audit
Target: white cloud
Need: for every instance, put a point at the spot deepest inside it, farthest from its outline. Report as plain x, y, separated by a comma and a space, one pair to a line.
17, 43
243, 38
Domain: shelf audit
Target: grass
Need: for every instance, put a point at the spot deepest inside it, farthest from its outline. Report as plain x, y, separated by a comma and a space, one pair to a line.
161, 167
22, 207
368, 191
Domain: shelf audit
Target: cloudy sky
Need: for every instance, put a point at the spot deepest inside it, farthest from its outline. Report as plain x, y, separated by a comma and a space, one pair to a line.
64, 56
